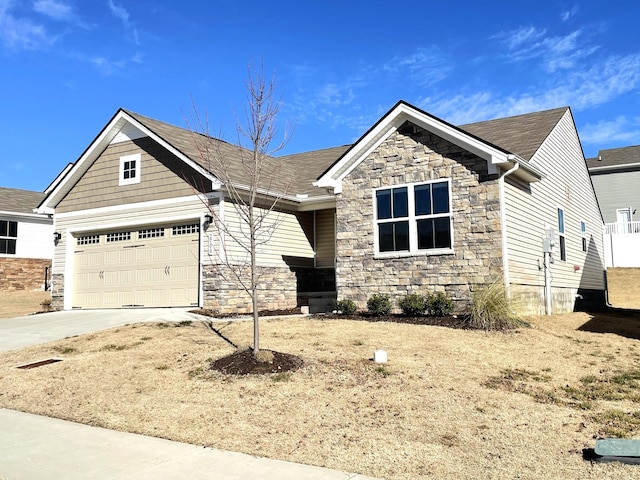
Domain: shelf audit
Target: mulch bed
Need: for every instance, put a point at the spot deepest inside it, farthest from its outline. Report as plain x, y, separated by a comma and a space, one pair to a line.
447, 321
262, 313
243, 362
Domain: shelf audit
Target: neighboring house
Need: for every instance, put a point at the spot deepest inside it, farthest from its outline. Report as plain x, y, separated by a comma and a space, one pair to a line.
615, 174
26, 241
415, 205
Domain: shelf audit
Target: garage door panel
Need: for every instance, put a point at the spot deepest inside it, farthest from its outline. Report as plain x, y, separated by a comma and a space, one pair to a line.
140, 268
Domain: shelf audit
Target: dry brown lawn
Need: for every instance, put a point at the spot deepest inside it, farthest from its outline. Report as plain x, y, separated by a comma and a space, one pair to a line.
21, 302
448, 404
623, 287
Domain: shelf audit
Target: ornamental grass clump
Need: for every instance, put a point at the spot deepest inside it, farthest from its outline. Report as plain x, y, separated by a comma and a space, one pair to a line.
492, 309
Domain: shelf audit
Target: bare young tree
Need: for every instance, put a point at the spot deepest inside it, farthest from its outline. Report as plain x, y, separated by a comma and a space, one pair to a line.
253, 181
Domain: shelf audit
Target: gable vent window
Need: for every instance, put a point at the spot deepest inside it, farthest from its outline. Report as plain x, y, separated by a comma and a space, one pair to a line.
151, 233
130, 166
186, 229
8, 237
118, 237
88, 240
414, 218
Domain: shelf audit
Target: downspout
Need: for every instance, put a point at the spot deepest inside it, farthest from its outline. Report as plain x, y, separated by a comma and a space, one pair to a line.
503, 227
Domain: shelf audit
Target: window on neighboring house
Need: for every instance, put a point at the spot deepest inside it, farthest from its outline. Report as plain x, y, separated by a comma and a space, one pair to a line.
8, 236
130, 166
583, 233
562, 239
414, 218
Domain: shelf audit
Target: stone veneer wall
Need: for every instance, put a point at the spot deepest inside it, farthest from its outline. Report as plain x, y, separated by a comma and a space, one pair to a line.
57, 292
412, 157
22, 273
276, 290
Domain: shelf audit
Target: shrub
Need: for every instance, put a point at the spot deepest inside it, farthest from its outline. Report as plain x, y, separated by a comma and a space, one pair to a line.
492, 309
439, 304
379, 305
346, 307
412, 305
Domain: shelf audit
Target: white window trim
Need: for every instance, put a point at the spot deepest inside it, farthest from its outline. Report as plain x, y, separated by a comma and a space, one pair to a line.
130, 181
413, 226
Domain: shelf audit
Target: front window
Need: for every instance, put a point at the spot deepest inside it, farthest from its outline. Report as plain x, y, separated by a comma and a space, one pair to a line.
414, 218
8, 237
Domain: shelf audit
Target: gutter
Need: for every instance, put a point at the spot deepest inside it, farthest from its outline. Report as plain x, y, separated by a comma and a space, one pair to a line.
503, 225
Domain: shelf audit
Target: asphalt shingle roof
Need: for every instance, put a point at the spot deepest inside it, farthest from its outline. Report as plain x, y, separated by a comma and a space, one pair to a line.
521, 134
615, 157
19, 201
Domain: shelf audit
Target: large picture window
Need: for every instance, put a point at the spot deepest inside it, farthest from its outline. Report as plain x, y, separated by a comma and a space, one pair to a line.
8, 237
414, 218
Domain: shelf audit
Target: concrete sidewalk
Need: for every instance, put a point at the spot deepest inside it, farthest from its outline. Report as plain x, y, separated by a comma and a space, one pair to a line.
41, 448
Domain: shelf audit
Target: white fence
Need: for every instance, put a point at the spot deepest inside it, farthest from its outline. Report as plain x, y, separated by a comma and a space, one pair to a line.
622, 244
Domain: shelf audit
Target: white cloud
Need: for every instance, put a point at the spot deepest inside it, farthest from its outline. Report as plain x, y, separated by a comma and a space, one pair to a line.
566, 15
119, 12
107, 66
54, 9
22, 33
621, 129
424, 67
595, 86
516, 38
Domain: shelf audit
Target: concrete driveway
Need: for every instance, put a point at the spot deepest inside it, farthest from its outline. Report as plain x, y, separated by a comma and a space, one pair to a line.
22, 332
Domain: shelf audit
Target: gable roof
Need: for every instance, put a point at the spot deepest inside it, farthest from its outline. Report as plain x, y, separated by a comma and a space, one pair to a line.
615, 159
14, 200
496, 155
520, 134
501, 142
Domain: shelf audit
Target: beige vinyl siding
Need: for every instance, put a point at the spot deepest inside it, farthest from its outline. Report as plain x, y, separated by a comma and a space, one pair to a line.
290, 244
157, 213
325, 238
529, 210
616, 190
162, 176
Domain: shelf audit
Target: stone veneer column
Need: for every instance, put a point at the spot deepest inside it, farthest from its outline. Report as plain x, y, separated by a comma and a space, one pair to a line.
413, 158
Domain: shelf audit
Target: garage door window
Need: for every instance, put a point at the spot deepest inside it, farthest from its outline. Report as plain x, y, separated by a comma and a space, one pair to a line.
186, 229
118, 237
88, 240
151, 233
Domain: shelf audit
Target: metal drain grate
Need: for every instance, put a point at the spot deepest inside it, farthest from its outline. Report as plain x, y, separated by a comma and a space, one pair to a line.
40, 363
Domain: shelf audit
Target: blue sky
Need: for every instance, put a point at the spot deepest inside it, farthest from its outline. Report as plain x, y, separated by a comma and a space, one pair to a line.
66, 66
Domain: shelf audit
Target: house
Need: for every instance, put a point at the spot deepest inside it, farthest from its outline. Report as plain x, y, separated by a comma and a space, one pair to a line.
26, 241
615, 174
416, 204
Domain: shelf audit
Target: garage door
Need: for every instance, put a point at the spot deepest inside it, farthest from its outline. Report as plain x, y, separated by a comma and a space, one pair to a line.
153, 266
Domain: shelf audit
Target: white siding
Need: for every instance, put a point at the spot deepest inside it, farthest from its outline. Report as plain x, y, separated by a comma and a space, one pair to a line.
567, 186
35, 239
287, 239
